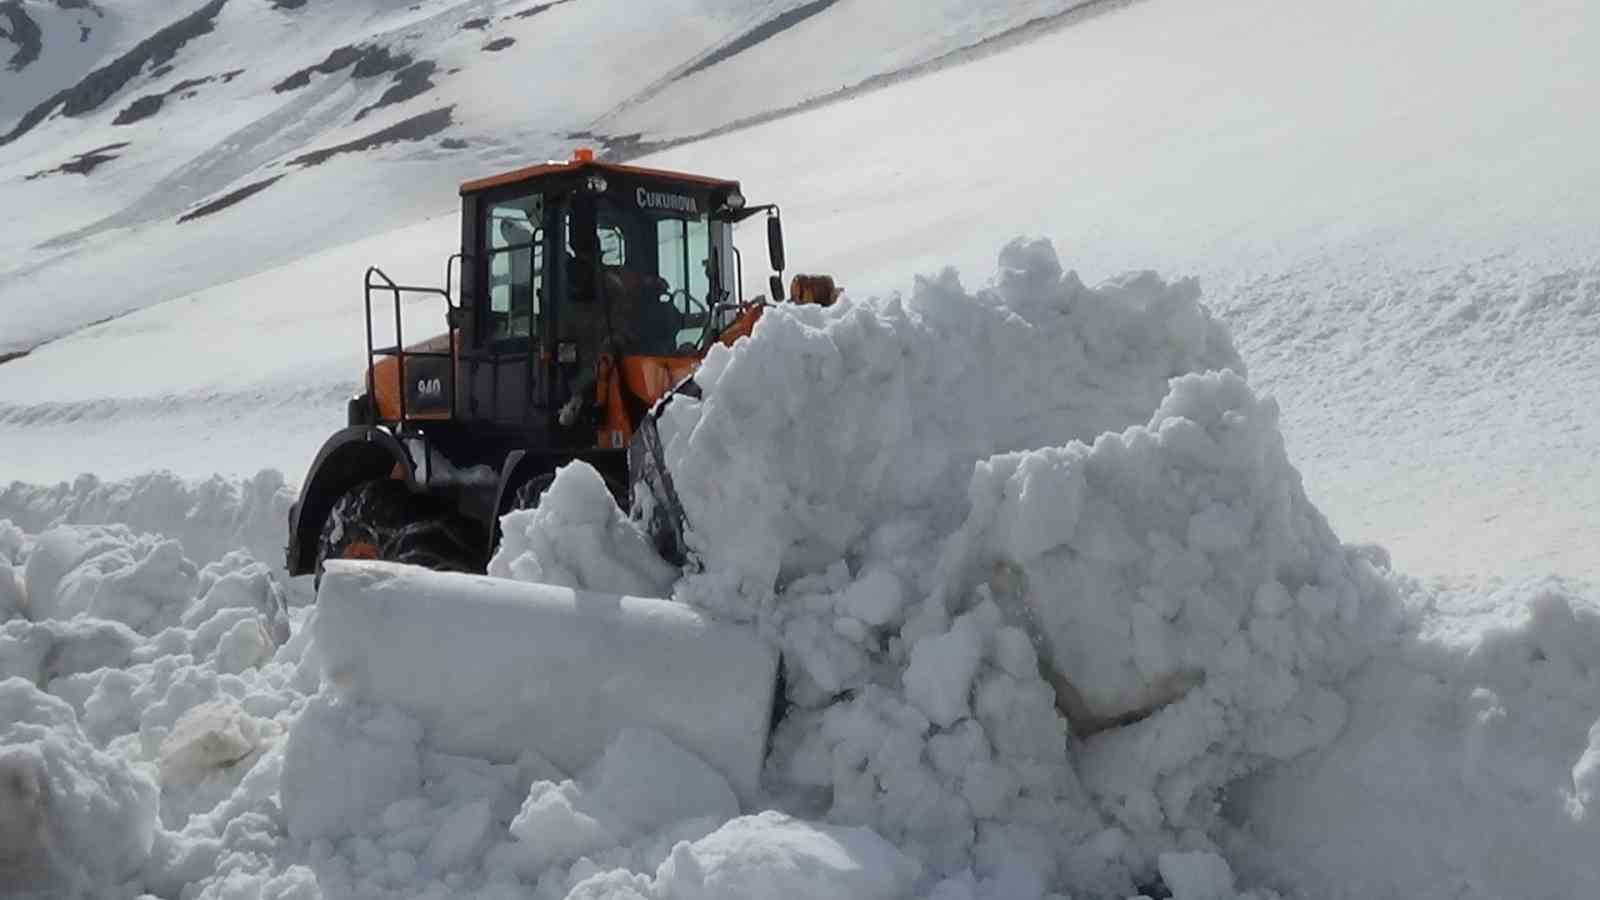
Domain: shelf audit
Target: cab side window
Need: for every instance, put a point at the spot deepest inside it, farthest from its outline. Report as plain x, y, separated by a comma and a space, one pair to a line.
514, 232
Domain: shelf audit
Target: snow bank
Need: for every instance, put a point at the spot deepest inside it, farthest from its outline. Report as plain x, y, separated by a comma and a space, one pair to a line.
210, 518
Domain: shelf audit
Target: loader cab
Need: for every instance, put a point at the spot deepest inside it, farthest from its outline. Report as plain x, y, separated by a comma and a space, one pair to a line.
570, 268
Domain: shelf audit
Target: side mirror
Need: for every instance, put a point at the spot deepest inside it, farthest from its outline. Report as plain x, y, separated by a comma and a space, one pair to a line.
775, 284
775, 242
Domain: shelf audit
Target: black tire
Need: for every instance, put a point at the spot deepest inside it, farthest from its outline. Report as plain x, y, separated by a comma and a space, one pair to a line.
383, 519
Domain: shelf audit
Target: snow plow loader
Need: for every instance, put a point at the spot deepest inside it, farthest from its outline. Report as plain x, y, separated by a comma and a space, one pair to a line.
588, 294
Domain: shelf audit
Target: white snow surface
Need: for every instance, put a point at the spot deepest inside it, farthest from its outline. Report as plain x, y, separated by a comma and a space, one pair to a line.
953, 510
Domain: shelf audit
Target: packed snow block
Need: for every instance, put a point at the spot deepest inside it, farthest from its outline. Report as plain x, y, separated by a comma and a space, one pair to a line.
577, 537
74, 821
493, 668
771, 856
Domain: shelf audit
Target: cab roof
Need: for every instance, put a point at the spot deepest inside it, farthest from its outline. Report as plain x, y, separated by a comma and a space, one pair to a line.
583, 160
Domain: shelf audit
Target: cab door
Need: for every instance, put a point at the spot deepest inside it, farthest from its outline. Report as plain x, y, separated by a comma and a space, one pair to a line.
513, 312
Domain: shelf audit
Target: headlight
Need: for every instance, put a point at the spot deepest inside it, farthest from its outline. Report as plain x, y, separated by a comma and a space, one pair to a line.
734, 200
597, 184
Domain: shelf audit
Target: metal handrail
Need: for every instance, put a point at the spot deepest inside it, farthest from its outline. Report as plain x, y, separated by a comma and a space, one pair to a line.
399, 351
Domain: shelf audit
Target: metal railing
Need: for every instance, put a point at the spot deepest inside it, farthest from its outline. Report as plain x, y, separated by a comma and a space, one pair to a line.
376, 281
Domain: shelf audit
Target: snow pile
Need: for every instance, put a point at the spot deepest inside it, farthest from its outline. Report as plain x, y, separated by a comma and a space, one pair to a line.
862, 482
859, 424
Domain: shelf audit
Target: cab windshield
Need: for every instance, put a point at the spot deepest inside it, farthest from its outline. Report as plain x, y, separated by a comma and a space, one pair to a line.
655, 271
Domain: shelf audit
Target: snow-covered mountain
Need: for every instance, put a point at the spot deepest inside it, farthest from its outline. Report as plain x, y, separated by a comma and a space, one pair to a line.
165, 116
1392, 209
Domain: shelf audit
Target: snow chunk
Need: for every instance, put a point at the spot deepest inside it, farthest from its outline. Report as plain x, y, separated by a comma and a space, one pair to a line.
11, 541
73, 819
207, 737
577, 537
1196, 876
43, 651
774, 857
461, 836
874, 599
111, 573
643, 783
1166, 593
1585, 802
344, 763
238, 581
13, 602
939, 679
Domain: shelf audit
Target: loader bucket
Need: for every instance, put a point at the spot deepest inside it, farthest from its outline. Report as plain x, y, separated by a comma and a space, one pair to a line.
493, 668
656, 505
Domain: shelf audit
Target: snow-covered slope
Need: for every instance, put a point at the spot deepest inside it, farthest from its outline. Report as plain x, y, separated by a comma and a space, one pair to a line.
173, 114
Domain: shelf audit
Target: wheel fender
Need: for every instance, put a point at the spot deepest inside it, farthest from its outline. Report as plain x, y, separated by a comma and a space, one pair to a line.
352, 455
